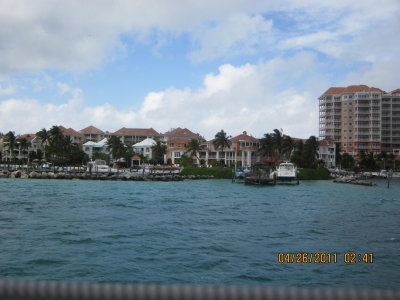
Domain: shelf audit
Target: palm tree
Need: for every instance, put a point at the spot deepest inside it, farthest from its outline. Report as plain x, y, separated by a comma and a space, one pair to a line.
297, 156
275, 145
9, 138
287, 146
221, 141
43, 135
266, 146
310, 152
23, 145
56, 142
194, 147
115, 146
159, 149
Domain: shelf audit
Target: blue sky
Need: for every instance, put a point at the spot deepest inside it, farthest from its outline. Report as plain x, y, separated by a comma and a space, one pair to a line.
234, 65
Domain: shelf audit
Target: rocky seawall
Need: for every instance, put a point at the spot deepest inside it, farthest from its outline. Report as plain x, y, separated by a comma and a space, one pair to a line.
88, 176
351, 180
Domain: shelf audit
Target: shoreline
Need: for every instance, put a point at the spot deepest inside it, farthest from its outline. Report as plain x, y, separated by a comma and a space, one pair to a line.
101, 176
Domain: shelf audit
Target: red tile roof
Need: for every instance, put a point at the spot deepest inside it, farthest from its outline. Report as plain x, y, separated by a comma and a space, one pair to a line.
243, 137
91, 130
28, 136
178, 141
136, 132
70, 132
326, 142
351, 89
396, 91
182, 132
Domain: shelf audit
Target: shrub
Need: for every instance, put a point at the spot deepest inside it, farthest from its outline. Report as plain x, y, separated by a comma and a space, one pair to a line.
217, 172
314, 174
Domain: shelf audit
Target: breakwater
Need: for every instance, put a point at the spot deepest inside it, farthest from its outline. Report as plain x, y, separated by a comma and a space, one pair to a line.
352, 180
124, 176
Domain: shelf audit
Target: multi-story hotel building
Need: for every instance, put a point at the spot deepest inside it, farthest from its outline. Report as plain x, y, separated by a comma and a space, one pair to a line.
359, 118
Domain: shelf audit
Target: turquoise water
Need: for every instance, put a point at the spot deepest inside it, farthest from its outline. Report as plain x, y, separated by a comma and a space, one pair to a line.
198, 232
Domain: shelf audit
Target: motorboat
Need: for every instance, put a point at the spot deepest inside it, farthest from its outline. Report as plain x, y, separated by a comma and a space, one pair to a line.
286, 172
98, 166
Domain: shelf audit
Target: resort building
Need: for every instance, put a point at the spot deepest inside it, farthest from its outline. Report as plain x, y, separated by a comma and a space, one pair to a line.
361, 118
92, 134
242, 151
90, 147
176, 141
20, 150
144, 148
131, 136
75, 136
327, 153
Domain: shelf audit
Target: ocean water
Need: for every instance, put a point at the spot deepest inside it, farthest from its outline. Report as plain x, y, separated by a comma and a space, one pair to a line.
198, 232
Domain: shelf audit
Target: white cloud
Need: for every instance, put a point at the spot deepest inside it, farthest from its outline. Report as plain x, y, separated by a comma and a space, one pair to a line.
234, 99
7, 90
381, 74
237, 34
77, 35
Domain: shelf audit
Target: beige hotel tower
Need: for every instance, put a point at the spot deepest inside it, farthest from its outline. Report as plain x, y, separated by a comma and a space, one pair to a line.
361, 118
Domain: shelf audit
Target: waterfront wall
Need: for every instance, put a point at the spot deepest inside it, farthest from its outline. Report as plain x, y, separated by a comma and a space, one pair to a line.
99, 176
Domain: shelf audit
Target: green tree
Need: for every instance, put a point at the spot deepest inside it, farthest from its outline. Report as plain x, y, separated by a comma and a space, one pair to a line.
310, 153
115, 146
101, 155
347, 161
43, 135
57, 144
221, 140
193, 148
9, 139
184, 160
297, 156
276, 145
382, 159
159, 149
23, 146
287, 147
267, 146
338, 155
367, 161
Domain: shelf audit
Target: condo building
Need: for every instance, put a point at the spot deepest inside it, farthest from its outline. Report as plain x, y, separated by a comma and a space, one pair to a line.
361, 118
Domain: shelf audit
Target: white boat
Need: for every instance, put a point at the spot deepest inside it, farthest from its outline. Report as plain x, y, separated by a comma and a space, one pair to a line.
286, 172
98, 166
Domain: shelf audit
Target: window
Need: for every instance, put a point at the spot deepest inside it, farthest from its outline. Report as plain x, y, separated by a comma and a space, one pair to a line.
87, 148
177, 154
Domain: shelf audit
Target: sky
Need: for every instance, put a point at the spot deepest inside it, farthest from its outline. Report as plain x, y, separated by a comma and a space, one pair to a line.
236, 65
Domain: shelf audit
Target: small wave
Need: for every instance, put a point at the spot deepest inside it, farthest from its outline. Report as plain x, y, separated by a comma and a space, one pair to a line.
218, 249
80, 241
63, 233
211, 264
254, 278
393, 240
314, 231
46, 262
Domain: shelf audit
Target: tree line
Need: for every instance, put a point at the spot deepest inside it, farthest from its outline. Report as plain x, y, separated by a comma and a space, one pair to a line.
57, 148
